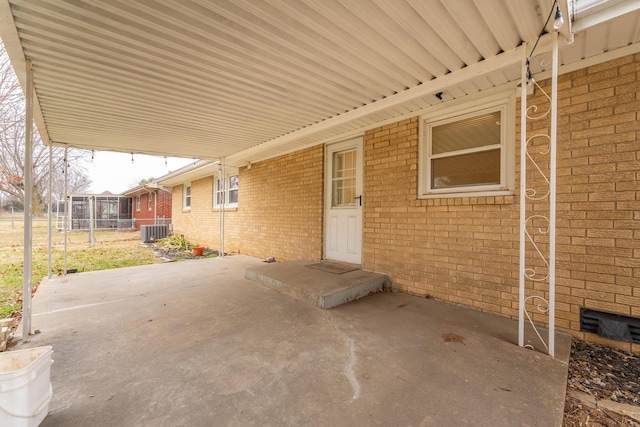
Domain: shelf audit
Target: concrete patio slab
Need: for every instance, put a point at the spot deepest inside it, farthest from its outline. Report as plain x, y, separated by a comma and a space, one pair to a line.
195, 344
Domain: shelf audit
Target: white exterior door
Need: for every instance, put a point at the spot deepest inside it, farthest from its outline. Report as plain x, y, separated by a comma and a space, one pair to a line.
343, 201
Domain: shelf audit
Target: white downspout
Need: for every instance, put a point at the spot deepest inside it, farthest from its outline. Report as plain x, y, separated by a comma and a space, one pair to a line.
28, 206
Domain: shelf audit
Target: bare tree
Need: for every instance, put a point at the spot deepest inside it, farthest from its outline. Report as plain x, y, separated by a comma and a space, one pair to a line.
145, 181
12, 135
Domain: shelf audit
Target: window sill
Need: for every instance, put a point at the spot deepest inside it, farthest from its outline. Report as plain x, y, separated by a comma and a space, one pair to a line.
488, 198
226, 209
476, 194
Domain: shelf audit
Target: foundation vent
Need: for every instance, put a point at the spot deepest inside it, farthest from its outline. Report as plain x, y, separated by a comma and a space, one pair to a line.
609, 325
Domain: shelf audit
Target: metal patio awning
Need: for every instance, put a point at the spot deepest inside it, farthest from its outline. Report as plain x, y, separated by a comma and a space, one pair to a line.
248, 79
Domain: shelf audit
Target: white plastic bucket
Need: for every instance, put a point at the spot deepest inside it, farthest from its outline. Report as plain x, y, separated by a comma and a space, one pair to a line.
25, 386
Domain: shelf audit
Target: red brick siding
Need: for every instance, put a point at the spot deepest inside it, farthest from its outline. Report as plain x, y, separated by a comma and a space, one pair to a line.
146, 216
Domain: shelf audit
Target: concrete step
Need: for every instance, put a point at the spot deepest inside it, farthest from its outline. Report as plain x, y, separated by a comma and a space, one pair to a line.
325, 285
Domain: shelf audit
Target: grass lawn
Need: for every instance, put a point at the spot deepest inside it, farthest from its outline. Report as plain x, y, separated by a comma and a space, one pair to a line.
113, 249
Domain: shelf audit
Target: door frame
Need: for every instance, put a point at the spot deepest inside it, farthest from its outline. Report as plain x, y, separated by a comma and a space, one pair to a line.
358, 143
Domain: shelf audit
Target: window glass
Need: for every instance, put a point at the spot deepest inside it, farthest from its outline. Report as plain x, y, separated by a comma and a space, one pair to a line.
222, 194
466, 170
465, 134
468, 151
187, 196
233, 190
219, 199
343, 182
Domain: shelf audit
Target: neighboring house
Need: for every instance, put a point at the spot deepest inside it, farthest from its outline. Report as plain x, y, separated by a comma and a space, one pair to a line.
392, 199
110, 211
151, 204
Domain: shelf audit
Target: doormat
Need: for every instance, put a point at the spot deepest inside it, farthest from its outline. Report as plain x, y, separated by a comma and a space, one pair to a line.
333, 267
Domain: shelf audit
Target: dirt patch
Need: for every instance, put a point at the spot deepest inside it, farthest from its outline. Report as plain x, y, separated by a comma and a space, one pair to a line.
451, 337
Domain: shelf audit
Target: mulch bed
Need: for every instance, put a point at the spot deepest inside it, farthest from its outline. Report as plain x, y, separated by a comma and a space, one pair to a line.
599, 375
172, 254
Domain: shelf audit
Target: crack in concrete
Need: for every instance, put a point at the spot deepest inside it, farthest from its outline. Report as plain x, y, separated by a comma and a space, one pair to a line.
351, 361
348, 370
77, 307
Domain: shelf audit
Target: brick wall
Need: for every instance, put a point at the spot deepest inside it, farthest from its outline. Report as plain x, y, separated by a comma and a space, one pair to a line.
164, 203
180, 219
279, 209
599, 190
461, 250
465, 250
200, 224
146, 216
281, 205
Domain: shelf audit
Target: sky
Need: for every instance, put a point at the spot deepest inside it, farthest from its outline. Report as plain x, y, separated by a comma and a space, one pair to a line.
114, 172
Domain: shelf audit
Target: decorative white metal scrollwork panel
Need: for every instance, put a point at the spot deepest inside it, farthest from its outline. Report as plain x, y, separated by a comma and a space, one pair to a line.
536, 223
537, 152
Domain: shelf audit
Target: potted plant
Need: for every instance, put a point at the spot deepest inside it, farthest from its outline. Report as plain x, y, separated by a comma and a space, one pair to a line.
198, 250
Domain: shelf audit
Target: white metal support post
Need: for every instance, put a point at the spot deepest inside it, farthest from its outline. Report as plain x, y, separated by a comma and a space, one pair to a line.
523, 190
92, 219
552, 195
49, 218
28, 206
222, 200
67, 205
538, 231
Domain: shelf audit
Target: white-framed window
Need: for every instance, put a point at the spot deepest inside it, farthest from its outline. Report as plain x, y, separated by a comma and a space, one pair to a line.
149, 201
468, 150
186, 197
137, 203
227, 196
